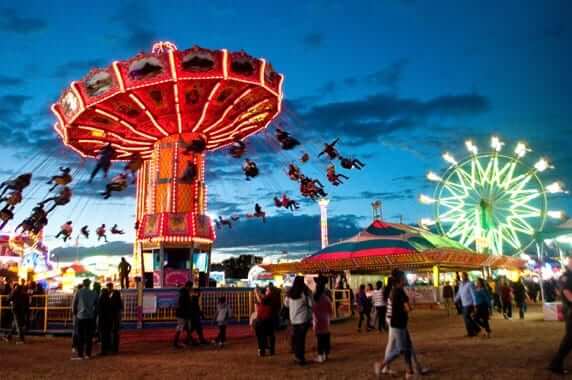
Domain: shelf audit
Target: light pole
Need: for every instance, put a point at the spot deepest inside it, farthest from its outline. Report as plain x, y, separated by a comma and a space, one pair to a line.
323, 202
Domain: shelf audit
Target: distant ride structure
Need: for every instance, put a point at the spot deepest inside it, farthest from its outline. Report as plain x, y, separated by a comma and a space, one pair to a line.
170, 107
492, 202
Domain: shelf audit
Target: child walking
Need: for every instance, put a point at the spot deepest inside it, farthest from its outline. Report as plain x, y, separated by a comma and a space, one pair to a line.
223, 314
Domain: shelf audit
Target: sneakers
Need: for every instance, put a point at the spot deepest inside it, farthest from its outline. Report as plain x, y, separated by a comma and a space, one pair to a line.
76, 358
422, 371
378, 370
261, 353
388, 371
320, 359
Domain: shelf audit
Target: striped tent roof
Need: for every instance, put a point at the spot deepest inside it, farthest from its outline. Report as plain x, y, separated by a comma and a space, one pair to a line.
381, 239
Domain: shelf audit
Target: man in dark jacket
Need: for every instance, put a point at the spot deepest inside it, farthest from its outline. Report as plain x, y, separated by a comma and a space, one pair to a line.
197, 315
183, 313
20, 303
276, 304
519, 292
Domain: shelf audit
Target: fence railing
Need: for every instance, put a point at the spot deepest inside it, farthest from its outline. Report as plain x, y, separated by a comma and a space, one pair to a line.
53, 311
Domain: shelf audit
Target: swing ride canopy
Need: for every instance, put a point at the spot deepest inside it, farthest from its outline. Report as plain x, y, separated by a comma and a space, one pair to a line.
155, 104
384, 246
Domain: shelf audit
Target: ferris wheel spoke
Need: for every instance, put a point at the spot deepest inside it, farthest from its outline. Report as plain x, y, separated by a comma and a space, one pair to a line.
525, 211
511, 237
455, 188
520, 224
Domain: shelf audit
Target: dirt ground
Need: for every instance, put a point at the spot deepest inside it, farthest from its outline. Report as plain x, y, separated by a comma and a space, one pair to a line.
517, 350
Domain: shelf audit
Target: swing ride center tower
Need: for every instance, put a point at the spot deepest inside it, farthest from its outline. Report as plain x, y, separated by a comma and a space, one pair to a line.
155, 105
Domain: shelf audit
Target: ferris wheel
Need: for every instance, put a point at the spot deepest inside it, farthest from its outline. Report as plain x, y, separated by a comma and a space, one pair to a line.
491, 201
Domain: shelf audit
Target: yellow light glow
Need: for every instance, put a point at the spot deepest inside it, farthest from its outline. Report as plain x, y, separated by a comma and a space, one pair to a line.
555, 214
555, 187
425, 199
541, 165
521, 149
472, 148
449, 158
496, 143
432, 176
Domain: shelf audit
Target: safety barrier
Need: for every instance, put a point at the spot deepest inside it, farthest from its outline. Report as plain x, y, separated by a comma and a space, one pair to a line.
53, 311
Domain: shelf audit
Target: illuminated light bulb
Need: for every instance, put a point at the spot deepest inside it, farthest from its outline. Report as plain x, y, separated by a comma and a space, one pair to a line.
555, 188
556, 214
449, 158
471, 147
427, 222
432, 176
541, 165
425, 199
521, 149
496, 143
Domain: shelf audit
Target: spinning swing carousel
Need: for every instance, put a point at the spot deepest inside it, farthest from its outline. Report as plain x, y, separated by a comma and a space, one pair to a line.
170, 107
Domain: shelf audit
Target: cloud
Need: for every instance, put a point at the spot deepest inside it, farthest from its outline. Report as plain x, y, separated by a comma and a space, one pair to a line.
69, 69
403, 194
116, 248
136, 20
13, 22
285, 229
387, 77
8, 81
313, 40
367, 120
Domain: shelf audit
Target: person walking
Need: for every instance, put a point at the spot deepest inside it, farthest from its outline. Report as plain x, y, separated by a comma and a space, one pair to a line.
223, 314
483, 300
104, 321
519, 292
19, 302
276, 303
197, 316
84, 310
183, 314
264, 323
399, 340
364, 308
299, 303
448, 296
124, 269
506, 299
322, 313
557, 363
379, 305
116, 309
466, 296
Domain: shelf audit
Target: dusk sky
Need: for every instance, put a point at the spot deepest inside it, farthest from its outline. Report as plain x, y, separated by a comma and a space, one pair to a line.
399, 82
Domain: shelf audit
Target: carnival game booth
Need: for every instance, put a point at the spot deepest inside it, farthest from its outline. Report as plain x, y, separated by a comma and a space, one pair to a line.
384, 246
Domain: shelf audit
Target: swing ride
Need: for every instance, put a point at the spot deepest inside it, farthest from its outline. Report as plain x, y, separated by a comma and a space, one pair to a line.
170, 108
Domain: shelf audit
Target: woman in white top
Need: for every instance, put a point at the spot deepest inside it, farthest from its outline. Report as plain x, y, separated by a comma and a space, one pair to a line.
299, 303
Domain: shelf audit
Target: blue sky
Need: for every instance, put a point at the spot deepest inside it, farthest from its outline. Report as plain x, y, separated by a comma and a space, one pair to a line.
398, 81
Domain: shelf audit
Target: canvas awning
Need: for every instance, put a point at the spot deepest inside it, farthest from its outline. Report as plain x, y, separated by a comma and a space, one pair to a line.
384, 246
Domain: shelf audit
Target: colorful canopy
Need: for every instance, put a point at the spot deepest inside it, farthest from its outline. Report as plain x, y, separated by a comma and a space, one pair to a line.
384, 246
382, 238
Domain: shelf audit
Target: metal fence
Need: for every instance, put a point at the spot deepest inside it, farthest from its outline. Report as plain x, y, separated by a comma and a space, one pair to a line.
53, 311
